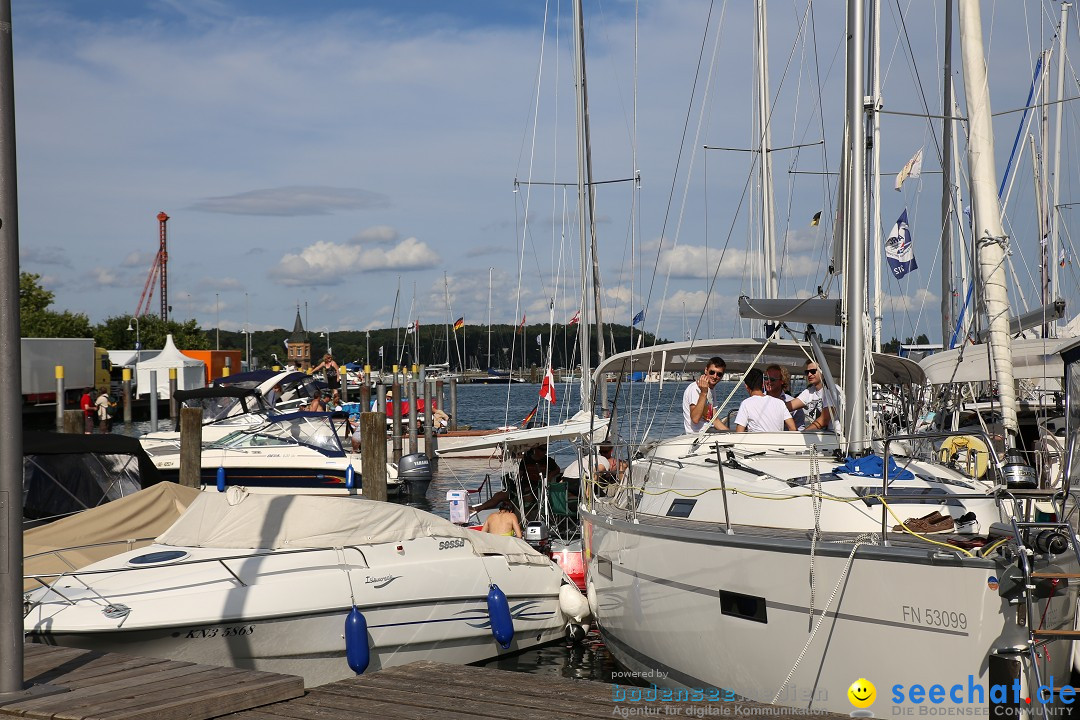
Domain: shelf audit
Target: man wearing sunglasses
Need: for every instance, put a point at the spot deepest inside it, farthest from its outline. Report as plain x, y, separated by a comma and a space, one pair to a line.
777, 384
816, 399
697, 402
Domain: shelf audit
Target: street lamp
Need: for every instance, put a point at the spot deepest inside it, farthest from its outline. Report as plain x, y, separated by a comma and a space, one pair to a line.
247, 348
325, 332
129, 328
367, 351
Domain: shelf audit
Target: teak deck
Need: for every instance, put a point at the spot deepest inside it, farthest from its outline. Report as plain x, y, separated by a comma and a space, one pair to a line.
107, 686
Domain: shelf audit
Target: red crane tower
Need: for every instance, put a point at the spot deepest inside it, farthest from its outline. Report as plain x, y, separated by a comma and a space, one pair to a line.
160, 265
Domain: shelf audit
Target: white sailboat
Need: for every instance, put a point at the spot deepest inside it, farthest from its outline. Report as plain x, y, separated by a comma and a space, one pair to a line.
762, 565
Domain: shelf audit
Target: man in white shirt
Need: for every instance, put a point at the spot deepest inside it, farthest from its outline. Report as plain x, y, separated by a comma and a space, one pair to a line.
697, 403
760, 412
816, 399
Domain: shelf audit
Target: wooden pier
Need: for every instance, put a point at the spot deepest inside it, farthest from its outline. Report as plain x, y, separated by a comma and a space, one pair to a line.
103, 686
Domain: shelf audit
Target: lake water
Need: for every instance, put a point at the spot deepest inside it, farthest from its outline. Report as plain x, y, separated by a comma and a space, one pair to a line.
642, 410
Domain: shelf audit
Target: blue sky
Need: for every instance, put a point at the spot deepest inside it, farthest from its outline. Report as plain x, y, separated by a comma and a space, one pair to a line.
329, 153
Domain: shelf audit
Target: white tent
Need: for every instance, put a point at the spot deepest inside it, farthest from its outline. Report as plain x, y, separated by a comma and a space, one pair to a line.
190, 373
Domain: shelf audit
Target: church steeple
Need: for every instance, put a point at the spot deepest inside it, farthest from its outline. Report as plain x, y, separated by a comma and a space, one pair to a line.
299, 344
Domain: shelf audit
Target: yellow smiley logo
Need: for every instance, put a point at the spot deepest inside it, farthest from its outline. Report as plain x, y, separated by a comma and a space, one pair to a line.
862, 693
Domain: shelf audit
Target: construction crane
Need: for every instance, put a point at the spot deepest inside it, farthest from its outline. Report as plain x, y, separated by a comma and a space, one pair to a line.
157, 269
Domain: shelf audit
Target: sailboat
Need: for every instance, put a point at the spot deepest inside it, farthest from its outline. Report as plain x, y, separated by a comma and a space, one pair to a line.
799, 568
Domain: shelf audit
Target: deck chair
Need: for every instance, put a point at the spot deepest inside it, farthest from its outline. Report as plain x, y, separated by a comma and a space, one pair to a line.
563, 509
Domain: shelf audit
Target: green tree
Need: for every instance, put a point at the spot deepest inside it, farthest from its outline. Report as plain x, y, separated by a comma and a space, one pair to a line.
150, 331
35, 318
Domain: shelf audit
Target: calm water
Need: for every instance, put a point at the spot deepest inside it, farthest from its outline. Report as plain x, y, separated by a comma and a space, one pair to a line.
641, 410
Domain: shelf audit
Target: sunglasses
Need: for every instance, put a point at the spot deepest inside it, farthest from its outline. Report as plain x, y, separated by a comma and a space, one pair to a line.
812, 371
769, 378
715, 373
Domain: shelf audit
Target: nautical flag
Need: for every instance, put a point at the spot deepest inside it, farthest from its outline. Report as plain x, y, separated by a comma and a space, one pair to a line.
547, 389
912, 169
528, 421
459, 324
1061, 256
521, 327
414, 327
576, 319
538, 342
816, 220
286, 345
380, 350
899, 248
640, 317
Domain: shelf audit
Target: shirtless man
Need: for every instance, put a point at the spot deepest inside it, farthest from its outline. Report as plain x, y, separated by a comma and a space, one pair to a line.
503, 521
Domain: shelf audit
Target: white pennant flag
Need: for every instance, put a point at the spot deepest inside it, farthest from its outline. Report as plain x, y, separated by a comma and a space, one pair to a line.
912, 169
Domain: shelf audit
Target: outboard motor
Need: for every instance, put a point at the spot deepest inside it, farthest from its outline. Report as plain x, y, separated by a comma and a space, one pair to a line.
414, 473
536, 534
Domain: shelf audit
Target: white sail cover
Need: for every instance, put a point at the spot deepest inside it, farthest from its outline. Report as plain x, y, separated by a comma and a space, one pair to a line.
1035, 360
240, 520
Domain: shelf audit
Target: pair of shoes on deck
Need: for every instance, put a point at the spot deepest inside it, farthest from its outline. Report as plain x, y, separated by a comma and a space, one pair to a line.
932, 523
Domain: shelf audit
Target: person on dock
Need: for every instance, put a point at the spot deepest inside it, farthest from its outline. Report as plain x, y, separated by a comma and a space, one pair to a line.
88, 409
816, 399
331, 371
760, 412
503, 522
697, 403
103, 409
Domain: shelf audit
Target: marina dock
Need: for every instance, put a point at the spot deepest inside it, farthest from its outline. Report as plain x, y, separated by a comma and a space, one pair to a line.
109, 686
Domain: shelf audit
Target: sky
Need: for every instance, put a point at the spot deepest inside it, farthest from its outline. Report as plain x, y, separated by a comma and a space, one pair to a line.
374, 163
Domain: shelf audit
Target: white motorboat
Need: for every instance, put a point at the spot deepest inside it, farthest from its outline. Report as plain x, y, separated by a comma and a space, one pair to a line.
290, 452
268, 582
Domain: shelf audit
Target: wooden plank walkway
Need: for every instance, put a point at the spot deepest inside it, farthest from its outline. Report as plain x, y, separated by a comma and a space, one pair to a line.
424, 690
122, 687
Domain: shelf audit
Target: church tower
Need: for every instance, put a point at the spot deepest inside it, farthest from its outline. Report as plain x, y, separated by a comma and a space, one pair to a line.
299, 345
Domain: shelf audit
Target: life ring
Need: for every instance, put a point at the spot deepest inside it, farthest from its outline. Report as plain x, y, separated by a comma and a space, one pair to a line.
974, 455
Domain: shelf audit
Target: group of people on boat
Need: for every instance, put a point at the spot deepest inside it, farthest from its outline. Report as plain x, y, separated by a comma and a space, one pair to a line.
768, 406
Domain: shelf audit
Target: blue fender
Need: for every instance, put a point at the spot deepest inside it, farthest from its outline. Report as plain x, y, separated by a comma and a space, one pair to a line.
350, 477
357, 651
221, 479
502, 624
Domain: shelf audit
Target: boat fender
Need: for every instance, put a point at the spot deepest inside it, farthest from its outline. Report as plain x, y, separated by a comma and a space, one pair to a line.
573, 604
502, 624
357, 651
221, 479
590, 593
575, 633
350, 477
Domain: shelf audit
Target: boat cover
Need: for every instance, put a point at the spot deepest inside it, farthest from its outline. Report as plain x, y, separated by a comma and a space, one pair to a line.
242, 520
582, 425
1036, 360
134, 520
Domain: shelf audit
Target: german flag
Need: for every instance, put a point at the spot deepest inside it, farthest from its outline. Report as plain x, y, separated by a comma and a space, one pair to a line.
528, 421
459, 324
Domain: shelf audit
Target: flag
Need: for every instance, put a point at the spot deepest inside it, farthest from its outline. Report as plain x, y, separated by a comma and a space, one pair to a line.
459, 324
380, 350
286, 345
912, 169
899, 248
538, 340
521, 327
528, 421
576, 319
1061, 256
816, 220
640, 317
414, 327
547, 389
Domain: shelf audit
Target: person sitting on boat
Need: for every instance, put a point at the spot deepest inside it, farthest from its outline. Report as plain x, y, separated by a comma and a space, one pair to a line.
335, 400
503, 522
316, 404
439, 420
777, 383
816, 399
760, 412
697, 403
273, 396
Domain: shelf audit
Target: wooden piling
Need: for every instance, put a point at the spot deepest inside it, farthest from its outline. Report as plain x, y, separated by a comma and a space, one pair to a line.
395, 405
365, 390
191, 447
74, 422
453, 404
127, 395
172, 393
411, 395
373, 458
429, 444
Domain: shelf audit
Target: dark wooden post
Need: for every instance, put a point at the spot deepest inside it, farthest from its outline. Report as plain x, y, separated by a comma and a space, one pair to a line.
373, 459
74, 422
191, 447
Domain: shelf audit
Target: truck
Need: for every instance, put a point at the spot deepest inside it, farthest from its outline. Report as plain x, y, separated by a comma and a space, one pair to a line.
84, 366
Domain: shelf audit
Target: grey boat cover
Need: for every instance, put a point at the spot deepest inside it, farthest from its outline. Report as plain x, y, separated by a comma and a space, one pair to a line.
240, 520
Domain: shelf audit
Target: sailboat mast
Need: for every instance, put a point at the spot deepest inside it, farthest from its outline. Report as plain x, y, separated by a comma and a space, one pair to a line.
583, 203
855, 382
989, 236
768, 221
875, 181
1053, 202
948, 304
489, 317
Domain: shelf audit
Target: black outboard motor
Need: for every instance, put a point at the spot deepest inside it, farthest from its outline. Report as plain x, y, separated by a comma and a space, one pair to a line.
414, 474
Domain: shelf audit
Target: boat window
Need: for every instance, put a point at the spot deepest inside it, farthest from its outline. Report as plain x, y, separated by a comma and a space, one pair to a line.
681, 508
603, 566
748, 607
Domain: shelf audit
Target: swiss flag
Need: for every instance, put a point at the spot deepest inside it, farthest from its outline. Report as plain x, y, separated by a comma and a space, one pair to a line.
547, 390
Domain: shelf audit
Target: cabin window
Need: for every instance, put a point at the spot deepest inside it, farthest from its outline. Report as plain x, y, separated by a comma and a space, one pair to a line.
681, 508
603, 566
747, 607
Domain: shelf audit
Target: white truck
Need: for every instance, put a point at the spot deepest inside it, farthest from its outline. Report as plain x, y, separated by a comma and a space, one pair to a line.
84, 366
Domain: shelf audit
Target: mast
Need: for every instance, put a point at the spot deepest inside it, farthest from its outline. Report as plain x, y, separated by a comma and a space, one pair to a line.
875, 161
583, 203
1053, 202
988, 235
948, 304
856, 386
489, 317
768, 221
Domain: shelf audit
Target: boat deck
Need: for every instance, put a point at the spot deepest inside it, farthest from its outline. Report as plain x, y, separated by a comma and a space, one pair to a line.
109, 686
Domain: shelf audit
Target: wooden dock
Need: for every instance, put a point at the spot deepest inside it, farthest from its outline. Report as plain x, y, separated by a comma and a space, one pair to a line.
105, 686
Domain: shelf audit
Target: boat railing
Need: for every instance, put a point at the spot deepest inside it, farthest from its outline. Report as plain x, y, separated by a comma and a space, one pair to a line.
78, 575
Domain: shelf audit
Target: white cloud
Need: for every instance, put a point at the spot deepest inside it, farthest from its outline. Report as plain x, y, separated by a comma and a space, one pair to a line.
326, 263
699, 262
921, 299
292, 201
